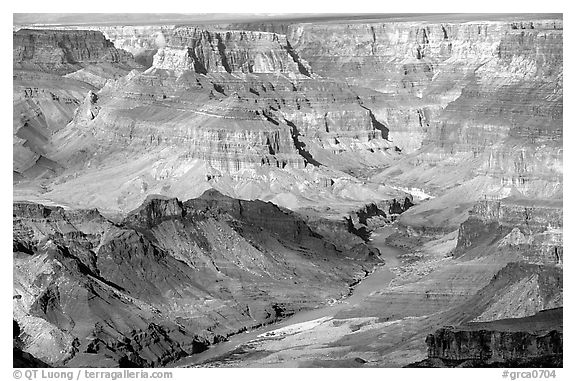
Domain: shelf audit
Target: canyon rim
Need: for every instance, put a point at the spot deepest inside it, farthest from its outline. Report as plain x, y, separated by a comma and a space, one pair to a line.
350, 191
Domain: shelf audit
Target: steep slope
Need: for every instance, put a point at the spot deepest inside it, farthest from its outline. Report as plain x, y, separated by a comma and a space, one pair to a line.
501, 134
505, 262
53, 72
236, 111
169, 280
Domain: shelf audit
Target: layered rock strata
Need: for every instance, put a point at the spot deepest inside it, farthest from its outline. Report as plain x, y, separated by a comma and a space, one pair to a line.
536, 340
465, 111
63, 51
53, 71
532, 229
501, 133
220, 123
232, 52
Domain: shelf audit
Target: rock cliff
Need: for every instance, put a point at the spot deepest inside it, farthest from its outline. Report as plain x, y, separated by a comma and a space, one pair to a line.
63, 51
230, 51
239, 110
53, 71
453, 89
529, 228
500, 132
141, 41
534, 341
437, 63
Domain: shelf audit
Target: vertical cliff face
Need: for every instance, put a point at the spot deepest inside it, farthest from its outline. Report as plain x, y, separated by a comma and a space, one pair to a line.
420, 58
511, 111
534, 341
391, 57
63, 51
501, 133
443, 63
53, 72
240, 106
532, 230
141, 41
232, 51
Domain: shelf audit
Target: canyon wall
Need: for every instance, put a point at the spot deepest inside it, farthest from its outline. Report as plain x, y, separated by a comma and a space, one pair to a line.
232, 52
534, 231
438, 63
63, 51
53, 72
241, 108
351, 95
169, 280
533, 341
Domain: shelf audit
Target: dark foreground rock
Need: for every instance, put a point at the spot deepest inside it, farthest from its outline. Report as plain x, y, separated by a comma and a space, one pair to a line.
535, 341
169, 280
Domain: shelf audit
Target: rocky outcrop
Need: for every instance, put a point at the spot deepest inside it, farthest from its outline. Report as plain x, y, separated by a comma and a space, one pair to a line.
53, 72
207, 51
63, 51
535, 339
228, 129
503, 121
21, 359
427, 60
168, 280
375, 215
531, 229
141, 41
43, 104
518, 290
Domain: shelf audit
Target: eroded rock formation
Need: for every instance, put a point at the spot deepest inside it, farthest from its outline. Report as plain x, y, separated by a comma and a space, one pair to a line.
53, 71
530, 228
167, 281
242, 108
532, 341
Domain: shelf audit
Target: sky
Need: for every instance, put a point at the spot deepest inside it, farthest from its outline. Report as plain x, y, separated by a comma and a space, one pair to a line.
195, 18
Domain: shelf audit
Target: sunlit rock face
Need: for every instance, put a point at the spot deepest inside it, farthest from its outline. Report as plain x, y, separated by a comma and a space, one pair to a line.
533, 230
232, 52
63, 50
238, 111
440, 90
53, 72
481, 67
141, 41
500, 136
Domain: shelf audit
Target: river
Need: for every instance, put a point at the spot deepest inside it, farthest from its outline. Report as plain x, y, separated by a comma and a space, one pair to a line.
373, 282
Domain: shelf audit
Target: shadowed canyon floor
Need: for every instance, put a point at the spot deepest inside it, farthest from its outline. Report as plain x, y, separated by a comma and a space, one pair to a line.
327, 192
